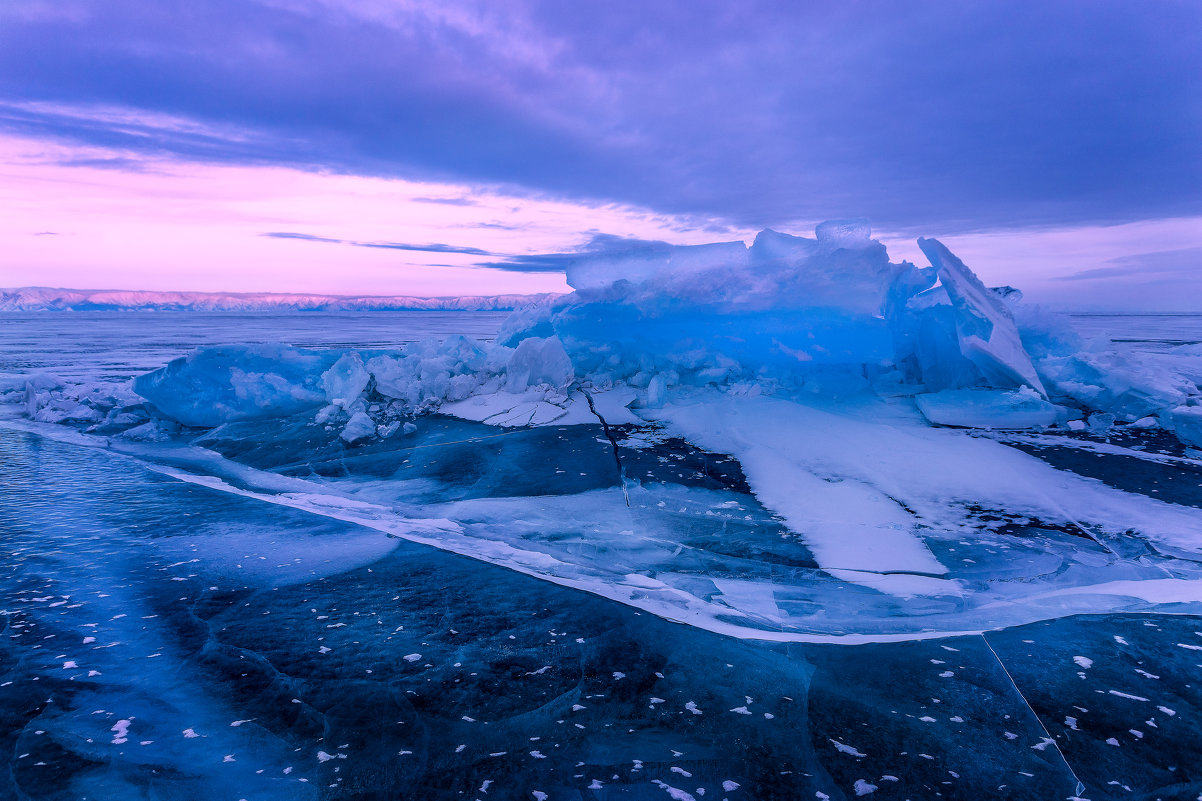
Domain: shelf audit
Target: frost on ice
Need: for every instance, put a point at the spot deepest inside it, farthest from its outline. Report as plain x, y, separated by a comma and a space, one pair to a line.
862, 399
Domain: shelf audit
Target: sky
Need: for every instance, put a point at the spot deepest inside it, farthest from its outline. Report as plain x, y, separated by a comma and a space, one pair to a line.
394, 147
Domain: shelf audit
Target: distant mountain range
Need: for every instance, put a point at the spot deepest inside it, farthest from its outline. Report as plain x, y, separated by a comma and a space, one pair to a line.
30, 299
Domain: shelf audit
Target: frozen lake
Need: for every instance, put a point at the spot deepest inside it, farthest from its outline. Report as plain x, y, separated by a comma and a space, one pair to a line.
108, 345
180, 631
1149, 331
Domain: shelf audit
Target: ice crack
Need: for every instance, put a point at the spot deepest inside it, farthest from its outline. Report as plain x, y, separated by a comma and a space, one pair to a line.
1047, 739
613, 441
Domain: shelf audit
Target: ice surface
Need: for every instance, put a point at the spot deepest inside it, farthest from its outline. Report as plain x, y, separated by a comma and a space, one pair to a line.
848, 523
905, 485
275, 603
322, 659
544, 406
551, 502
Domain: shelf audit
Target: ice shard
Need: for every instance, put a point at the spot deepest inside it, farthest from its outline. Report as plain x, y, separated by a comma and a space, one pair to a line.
988, 335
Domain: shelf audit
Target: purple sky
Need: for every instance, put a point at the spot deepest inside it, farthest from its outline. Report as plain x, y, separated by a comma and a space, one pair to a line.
396, 148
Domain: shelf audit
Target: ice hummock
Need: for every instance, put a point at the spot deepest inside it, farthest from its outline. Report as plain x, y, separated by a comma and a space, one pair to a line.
835, 377
830, 317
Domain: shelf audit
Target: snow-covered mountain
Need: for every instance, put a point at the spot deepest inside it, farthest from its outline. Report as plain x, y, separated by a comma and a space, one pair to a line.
28, 299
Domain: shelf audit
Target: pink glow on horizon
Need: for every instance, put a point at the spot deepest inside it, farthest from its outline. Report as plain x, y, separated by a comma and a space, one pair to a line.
177, 225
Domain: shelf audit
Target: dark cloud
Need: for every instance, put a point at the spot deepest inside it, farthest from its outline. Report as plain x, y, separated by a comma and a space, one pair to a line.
957, 116
431, 248
535, 263
600, 245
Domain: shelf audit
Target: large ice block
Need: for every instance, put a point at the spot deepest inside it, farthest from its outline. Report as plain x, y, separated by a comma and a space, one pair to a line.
988, 408
988, 336
241, 382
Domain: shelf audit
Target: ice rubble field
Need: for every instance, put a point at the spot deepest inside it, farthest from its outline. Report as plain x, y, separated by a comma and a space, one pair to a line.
798, 440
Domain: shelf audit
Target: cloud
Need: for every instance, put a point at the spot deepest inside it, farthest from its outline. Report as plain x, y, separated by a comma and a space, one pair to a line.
495, 226
140, 133
305, 237
974, 116
430, 248
447, 201
600, 245
1182, 262
108, 163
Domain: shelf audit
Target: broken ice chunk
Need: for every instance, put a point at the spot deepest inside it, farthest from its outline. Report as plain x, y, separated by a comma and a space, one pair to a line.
220, 384
1187, 424
988, 336
855, 233
345, 381
988, 408
539, 361
360, 426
